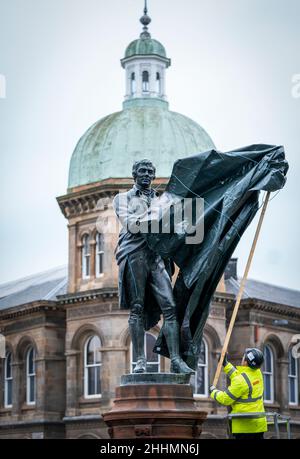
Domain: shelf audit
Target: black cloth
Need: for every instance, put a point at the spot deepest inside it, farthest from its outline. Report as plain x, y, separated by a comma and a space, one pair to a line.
230, 184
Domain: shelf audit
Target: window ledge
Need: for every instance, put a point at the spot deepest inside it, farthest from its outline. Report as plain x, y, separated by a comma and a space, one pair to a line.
294, 407
6, 410
92, 400
202, 398
271, 405
26, 407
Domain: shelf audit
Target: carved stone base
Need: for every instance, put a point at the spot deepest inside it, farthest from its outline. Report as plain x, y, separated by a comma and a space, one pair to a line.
144, 408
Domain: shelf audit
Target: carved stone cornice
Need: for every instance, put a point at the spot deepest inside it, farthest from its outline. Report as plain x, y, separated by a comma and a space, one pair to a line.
72, 206
83, 297
84, 199
270, 307
30, 308
221, 297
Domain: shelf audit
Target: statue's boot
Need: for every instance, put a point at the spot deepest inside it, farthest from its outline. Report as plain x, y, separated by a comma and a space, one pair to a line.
136, 328
140, 365
171, 332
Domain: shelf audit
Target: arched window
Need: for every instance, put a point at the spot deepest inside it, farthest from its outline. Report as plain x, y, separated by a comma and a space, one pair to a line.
8, 380
145, 81
99, 254
268, 373
30, 377
132, 84
293, 380
86, 256
200, 379
92, 367
153, 359
158, 83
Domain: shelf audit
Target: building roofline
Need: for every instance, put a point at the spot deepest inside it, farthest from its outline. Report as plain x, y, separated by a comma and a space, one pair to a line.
270, 306
167, 60
30, 308
33, 275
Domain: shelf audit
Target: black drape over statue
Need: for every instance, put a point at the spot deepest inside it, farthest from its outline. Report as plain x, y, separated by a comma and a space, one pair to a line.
229, 183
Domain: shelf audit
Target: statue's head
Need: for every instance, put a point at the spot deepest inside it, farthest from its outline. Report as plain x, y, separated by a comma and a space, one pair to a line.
143, 172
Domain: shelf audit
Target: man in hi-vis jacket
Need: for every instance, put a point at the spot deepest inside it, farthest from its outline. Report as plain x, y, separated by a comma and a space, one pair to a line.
245, 395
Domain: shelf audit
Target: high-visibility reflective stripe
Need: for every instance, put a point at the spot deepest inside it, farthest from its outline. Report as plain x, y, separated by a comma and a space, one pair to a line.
231, 395
249, 400
246, 378
215, 394
233, 369
247, 416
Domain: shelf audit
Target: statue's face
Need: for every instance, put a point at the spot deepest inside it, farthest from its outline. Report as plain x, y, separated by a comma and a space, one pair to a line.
144, 175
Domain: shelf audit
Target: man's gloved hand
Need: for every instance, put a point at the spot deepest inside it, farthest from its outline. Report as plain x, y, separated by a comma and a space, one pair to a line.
225, 361
212, 388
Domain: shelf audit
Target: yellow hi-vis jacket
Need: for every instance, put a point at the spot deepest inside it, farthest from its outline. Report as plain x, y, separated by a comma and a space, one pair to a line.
244, 395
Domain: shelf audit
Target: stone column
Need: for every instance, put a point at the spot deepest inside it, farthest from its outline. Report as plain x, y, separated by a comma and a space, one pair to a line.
282, 384
128, 73
71, 382
152, 81
139, 73
40, 380
93, 259
163, 82
72, 258
112, 358
78, 267
18, 387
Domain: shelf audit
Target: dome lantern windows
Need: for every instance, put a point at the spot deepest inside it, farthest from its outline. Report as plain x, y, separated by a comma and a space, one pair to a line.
158, 83
132, 84
145, 81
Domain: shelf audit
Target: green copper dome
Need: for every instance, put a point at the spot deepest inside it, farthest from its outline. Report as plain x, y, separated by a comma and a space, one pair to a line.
144, 129
145, 46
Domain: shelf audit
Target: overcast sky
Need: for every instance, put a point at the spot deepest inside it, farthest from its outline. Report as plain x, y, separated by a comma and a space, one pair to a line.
233, 67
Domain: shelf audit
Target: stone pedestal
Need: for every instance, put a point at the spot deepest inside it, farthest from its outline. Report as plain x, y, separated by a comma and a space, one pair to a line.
154, 405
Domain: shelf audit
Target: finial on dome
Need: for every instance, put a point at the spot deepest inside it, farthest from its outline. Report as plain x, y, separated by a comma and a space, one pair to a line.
145, 20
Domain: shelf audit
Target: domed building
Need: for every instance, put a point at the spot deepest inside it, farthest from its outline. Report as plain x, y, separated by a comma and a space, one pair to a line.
145, 128
101, 163
67, 340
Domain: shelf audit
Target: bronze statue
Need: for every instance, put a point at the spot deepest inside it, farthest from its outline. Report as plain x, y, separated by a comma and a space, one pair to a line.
144, 276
